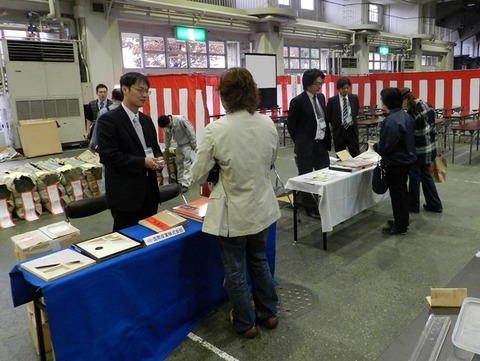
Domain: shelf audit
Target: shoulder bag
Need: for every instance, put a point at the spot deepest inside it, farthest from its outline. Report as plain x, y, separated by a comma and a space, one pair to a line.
379, 178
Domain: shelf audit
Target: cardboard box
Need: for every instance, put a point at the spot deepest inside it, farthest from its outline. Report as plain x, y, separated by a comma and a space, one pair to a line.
44, 240
39, 137
31, 311
33, 331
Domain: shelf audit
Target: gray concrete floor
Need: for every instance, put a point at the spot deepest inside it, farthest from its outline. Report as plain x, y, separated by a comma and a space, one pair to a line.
348, 303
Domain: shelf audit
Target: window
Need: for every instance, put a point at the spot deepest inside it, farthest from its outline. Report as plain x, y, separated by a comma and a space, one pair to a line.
307, 4
131, 51
302, 58
373, 11
430, 60
216, 50
157, 52
154, 52
198, 54
378, 62
284, 2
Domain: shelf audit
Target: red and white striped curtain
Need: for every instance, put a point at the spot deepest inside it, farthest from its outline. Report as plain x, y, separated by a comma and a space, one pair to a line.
195, 96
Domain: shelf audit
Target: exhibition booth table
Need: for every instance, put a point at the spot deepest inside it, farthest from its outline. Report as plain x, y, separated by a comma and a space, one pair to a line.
410, 340
136, 306
341, 195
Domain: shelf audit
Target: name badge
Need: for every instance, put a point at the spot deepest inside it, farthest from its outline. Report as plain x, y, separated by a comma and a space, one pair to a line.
149, 152
322, 123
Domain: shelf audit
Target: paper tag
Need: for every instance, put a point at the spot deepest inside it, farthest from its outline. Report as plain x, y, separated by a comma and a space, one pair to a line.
322, 123
54, 198
29, 206
5, 215
158, 237
101, 185
77, 190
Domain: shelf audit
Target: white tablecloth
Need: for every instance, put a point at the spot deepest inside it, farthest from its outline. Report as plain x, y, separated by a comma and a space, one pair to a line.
341, 197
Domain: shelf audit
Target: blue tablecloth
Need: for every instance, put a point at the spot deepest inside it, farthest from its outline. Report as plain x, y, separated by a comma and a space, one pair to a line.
137, 306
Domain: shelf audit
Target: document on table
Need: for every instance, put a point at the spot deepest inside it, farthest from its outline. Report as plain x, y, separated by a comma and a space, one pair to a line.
320, 176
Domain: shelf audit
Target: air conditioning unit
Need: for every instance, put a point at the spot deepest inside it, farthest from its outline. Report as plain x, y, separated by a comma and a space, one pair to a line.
403, 65
408, 65
41, 79
348, 65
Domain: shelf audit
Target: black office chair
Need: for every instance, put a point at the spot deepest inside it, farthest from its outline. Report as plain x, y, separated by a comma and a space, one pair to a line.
86, 207
169, 191
91, 206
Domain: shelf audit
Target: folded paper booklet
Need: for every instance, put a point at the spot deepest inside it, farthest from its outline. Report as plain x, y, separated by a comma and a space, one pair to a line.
195, 210
351, 165
447, 297
320, 176
58, 264
108, 246
163, 220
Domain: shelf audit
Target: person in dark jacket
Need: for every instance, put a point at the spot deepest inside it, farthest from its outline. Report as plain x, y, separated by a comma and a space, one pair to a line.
310, 131
342, 112
396, 146
129, 151
424, 117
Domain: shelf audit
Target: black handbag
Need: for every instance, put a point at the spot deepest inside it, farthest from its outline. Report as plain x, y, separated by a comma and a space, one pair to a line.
214, 174
379, 179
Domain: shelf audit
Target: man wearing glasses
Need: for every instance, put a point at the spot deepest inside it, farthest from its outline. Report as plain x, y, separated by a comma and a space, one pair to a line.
309, 130
129, 150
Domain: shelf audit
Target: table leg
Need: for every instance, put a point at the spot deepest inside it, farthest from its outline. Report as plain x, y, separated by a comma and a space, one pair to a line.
471, 146
37, 305
295, 209
324, 241
453, 146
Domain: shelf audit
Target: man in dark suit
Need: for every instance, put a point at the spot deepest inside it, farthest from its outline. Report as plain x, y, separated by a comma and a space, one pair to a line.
92, 109
129, 151
342, 111
309, 129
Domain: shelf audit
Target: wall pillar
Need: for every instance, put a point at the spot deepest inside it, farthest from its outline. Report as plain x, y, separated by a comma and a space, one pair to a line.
269, 41
103, 40
362, 52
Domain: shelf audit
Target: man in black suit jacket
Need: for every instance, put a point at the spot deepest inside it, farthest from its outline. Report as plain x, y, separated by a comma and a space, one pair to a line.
130, 163
92, 109
344, 126
308, 127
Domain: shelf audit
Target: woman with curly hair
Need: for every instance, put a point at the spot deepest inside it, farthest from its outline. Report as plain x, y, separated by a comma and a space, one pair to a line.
242, 204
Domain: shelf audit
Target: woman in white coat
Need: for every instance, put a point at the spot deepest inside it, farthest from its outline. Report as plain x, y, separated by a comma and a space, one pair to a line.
242, 204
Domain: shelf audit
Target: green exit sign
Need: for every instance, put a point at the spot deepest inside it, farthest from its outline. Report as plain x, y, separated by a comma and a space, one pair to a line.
383, 50
190, 34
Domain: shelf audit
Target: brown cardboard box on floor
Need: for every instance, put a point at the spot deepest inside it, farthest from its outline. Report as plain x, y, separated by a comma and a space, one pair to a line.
44, 240
33, 329
39, 137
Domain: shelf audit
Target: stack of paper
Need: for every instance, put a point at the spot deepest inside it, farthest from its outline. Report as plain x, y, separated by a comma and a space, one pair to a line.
351, 165
163, 220
195, 210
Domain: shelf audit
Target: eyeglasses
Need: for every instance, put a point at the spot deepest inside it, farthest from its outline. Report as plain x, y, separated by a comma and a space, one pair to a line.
318, 83
142, 91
